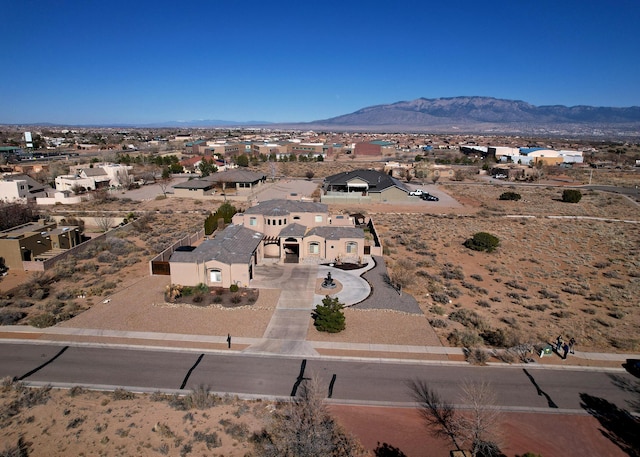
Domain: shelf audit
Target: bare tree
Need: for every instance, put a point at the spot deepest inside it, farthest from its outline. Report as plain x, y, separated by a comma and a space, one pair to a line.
104, 222
304, 428
435, 178
164, 184
403, 274
475, 428
481, 423
439, 415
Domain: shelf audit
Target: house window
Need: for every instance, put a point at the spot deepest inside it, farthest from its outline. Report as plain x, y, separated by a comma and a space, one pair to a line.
268, 221
296, 218
352, 247
253, 221
314, 248
319, 218
215, 276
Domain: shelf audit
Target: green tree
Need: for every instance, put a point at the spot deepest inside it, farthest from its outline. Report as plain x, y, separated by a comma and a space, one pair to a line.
329, 317
242, 160
510, 196
209, 224
571, 195
483, 241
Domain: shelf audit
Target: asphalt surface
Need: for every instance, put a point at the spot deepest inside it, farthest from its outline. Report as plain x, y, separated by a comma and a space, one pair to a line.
363, 382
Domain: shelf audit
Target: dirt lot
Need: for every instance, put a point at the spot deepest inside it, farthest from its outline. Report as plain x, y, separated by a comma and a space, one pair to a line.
77, 422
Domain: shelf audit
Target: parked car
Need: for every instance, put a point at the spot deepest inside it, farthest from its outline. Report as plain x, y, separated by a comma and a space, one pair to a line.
416, 193
428, 197
500, 176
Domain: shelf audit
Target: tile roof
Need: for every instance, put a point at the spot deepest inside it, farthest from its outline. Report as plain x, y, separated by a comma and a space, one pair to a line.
235, 244
284, 207
295, 230
336, 233
377, 180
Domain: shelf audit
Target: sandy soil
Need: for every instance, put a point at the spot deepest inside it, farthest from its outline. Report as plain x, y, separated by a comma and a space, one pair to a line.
82, 423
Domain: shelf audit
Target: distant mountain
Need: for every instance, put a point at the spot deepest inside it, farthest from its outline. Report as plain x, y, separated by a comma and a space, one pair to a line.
487, 114
201, 123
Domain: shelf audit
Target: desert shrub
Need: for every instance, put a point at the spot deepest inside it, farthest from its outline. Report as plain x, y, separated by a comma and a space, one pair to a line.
468, 318
509, 321
453, 292
544, 293
477, 277
451, 272
571, 195
122, 394
439, 323
477, 356
198, 297
512, 283
561, 314
233, 288
589, 311
440, 298
483, 303
11, 317
498, 338
107, 257
617, 314
240, 431
212, 440
217, 299
482, 241
465, 338
496, 299
329, 317
43, 320
236, 298
510, 196
437, 309
39, 293
625, 344
537, 307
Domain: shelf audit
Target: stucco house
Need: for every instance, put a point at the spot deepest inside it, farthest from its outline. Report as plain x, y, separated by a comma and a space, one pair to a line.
234, 179
374, 185
36, 241
272, 231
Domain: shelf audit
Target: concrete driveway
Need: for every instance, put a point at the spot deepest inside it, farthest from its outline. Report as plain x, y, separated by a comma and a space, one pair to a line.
287, 330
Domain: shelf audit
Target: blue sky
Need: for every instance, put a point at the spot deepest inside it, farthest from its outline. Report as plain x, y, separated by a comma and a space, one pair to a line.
89, 61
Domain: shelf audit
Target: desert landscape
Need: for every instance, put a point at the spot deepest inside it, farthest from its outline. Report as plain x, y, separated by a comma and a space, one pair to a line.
560, 268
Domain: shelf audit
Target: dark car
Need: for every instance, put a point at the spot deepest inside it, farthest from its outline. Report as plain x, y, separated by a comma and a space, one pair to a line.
429, 197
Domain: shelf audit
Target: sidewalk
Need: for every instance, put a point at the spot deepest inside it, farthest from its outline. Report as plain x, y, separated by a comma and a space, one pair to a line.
374, 352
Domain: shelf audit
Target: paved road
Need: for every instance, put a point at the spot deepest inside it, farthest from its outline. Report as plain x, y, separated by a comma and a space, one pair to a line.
372, 382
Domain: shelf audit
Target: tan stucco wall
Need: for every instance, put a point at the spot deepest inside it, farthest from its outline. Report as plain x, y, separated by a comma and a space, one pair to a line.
392, 194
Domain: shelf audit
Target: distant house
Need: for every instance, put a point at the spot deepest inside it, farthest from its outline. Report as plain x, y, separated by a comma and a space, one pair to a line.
375, 148
225, 181
100, 176
375, 185
272, 231
20, 188
36, 241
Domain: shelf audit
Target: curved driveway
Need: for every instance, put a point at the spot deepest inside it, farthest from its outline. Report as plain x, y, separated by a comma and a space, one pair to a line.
287, 330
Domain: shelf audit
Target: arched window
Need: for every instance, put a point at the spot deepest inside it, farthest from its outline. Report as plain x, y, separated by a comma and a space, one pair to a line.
314, 247
352, 247
215, 276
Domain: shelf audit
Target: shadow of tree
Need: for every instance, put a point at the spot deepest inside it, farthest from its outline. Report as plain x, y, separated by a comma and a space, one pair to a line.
386, 450
620, 427
628, 385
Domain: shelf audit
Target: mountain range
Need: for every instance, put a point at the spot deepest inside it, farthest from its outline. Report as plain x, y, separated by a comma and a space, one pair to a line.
473, 115
488, 115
